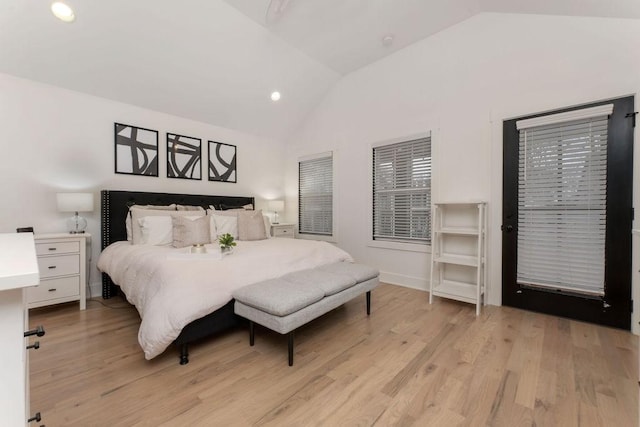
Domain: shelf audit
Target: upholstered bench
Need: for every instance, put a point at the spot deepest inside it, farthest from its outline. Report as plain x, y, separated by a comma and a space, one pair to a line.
290, 301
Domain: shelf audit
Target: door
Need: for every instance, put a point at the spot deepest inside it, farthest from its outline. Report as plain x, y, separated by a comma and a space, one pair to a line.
567, 208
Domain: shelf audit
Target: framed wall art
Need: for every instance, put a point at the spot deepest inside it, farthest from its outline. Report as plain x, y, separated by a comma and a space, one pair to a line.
184, 155
222, 162
136, 150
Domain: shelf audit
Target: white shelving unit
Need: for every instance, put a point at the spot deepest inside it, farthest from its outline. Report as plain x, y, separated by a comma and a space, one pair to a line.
458, 252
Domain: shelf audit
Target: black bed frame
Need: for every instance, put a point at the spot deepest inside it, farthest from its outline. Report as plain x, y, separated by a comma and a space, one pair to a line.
114, 210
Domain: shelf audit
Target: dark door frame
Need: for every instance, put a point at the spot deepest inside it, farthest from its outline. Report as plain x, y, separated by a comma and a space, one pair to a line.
615, 308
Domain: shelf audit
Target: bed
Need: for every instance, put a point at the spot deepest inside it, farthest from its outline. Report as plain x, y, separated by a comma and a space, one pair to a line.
182, 298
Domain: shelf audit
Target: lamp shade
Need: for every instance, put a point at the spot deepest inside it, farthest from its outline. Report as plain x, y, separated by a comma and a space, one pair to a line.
276, 205
75, 202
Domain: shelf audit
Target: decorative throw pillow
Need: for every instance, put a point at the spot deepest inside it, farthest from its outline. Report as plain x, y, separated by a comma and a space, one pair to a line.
188, 231
251, 226
155, 230
137, 214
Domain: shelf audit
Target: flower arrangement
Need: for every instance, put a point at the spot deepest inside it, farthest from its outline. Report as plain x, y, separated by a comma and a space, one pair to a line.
226, 242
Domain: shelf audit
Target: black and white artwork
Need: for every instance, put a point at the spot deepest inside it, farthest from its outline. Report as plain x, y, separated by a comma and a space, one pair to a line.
136, 150
222, 162
184, 156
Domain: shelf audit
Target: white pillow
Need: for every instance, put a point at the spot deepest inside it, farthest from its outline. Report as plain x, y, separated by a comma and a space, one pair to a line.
156, 230
267, 226
137, 214
225, 224
189, 208
213, 231
127, 221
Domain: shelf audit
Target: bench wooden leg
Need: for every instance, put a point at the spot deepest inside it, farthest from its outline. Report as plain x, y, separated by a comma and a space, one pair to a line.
290, 335
251, 333
368, 303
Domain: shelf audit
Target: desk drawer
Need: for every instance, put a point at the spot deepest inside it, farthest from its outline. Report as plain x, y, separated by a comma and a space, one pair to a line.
57, 248
62, 265
54, 288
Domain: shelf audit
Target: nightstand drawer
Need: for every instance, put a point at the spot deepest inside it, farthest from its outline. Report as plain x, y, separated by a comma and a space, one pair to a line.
62, 265
54, 288
283, 232
57, 248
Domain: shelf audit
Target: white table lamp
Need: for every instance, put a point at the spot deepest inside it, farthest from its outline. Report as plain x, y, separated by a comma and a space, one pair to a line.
276, 206
75, 202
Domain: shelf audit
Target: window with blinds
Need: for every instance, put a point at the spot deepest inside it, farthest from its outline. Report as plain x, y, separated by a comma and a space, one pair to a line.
402, 191
315, 195
562, 200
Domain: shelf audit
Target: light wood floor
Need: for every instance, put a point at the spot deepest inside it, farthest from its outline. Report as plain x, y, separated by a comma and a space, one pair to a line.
409, 363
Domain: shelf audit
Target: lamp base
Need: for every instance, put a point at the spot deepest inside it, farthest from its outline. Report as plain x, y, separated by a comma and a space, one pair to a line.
76, 224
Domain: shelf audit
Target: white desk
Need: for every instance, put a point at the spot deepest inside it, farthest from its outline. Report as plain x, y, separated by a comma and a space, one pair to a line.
18, 270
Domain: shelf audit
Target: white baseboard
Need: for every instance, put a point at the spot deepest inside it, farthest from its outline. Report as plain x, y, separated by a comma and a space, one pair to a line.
406, 281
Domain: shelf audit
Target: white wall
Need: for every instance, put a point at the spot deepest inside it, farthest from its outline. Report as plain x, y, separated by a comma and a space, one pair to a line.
58, 140
461, 84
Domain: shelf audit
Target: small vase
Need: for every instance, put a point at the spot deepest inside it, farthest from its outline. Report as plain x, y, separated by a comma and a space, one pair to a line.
226, 249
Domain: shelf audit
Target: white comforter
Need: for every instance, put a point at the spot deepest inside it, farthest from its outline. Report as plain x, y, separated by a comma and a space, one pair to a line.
171, 289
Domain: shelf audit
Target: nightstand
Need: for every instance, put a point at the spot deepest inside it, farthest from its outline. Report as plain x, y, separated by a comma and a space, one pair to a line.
62, 260
283, 230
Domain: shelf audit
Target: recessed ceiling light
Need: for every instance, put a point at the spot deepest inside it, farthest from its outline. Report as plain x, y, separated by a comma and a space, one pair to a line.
63, 12
275, 96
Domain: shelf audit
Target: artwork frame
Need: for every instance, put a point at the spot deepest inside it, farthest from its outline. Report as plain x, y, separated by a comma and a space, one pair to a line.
222, 165
184, 157
135, 150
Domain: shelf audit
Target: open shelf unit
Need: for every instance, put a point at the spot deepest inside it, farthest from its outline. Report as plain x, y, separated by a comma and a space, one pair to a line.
458, 252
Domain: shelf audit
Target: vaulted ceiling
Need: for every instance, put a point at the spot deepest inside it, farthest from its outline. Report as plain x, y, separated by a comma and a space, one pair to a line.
217, 61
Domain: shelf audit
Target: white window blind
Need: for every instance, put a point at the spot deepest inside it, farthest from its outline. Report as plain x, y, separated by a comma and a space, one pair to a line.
315, 195
562, 204
402, 191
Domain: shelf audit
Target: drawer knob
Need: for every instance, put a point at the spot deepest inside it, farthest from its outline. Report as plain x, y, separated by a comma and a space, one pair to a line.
51, 267
53, 249
39, 331
52, 290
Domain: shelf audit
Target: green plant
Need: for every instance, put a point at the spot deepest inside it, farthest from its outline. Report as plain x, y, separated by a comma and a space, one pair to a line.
226, 241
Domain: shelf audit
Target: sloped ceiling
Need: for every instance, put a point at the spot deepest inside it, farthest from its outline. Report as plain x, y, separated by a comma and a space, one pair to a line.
217, 61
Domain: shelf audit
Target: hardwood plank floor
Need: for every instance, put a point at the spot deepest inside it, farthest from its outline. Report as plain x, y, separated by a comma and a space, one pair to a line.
409, 363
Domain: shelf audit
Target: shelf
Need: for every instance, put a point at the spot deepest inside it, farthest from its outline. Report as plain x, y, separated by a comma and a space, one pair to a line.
460, 291
467, 260
459, 240
462, 231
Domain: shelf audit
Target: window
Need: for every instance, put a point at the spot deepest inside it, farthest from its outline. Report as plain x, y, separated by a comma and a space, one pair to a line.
315, 195
402, 191
562, 200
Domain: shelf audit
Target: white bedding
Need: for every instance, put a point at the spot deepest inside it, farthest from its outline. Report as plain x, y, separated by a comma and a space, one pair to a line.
171, 291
